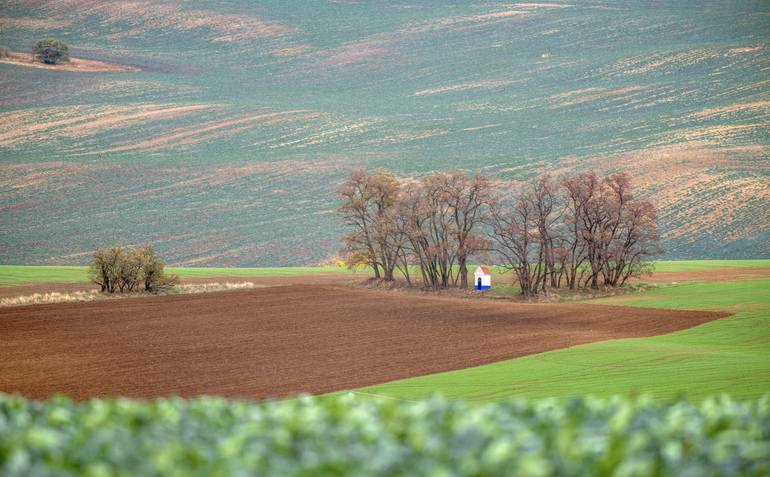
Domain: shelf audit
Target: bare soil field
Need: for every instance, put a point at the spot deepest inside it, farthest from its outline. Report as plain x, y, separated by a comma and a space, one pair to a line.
74, 64
280, 341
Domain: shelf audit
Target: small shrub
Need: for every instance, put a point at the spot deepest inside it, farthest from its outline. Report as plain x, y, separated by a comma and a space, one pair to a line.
153, 271
104, 270
51, 51
124, 269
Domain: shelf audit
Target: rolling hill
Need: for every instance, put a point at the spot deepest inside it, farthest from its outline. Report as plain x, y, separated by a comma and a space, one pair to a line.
224, 142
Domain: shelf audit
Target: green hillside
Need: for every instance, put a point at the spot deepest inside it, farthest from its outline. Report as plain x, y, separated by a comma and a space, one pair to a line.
225, 149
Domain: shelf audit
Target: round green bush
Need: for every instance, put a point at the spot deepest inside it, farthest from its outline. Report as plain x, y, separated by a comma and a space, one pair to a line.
51, 51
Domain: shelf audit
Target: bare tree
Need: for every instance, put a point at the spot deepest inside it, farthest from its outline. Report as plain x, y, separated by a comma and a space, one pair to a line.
574, 230
384, 189
357, 212
634, 234
440, 216
547, 215
577, 191
580, 229
593, 224
468, 198
367, 207
413, 220
441, 231
513, 238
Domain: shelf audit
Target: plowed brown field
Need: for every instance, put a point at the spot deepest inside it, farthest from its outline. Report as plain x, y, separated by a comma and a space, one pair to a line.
280, 341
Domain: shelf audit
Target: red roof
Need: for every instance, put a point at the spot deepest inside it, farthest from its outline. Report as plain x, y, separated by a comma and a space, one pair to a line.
484, 269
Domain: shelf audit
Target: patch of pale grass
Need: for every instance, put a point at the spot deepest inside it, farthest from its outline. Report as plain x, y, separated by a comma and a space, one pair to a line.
91, 295
53, 297
213, 287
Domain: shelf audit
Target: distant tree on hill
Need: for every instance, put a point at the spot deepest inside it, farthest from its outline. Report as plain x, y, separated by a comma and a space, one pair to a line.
51, 51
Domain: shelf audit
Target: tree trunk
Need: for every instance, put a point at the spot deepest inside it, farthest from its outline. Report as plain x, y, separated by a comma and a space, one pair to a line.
463, 273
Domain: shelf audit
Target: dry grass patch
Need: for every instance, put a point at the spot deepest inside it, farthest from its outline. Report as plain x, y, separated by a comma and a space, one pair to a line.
94, 294
53, 297
74, 64
214, 287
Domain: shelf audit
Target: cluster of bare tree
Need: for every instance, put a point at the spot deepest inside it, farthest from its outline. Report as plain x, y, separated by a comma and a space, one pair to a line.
125, 269
433, 223
572, 232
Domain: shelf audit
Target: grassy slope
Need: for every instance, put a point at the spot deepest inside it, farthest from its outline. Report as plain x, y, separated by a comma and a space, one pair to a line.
665, 90
730, 355
13, 275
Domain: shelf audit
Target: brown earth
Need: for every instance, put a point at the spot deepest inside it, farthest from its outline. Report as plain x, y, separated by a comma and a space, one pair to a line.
74, 64
280, 341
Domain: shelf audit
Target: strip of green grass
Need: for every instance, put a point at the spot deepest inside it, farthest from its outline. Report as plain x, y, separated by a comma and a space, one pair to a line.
253, 272
695, 265
730, 355
14, 275
502, 279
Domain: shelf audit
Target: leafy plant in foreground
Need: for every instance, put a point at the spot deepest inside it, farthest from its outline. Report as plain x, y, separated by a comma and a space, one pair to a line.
350, 435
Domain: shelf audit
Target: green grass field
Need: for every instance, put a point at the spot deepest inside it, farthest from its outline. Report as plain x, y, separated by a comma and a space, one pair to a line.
731, 355
696, 265
13, 275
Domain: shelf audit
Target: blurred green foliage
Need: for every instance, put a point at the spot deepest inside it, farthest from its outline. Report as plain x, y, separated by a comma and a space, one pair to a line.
353, 435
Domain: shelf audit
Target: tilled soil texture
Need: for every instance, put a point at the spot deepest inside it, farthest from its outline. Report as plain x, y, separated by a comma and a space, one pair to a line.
280, 341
